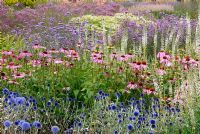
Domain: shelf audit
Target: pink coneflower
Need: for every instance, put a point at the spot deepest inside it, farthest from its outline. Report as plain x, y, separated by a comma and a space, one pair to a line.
37, 46
97, 55
25, 54
164, 58
45, 54
13, 82
75, 56
188, 62
132, 85
138, 65
58, 61
113, 56
98, 60
53, 50
36, 63
122, 58
8, 53
161, 54
12, 65
161, 72
149, 90
120, 70
19, 75
63, 50
129, 55
143, 65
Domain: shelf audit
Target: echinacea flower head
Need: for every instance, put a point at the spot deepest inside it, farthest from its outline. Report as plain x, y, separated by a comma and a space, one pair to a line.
7, 123
132, 85
37, 46
37, 124
55, 129
19, 75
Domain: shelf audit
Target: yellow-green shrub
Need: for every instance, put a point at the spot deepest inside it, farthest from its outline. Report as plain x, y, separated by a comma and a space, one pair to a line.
29, 3
111, 22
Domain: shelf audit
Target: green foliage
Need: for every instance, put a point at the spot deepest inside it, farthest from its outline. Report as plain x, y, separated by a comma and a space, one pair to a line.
30, 3
8, 42
181, 9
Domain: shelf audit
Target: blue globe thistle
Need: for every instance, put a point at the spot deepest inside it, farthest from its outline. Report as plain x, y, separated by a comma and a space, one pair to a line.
119, 116
178, 110
113, 107
6, 91
120, 121
17, 122
20, 100
80, 124
153, 121
136, 112
130, 127
7, 123
25, 126
151, 132
35, 108
132, 118
48, 103
37, 124
153, 126
172, 109
101, 92
55, 129
118, 95
106, 95
116, 132
137, 102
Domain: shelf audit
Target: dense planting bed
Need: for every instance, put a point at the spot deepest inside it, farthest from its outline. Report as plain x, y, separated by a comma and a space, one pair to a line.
99, 69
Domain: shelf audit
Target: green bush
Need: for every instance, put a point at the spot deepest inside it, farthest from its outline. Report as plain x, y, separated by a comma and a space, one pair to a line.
30, 3
181, 9
8, 42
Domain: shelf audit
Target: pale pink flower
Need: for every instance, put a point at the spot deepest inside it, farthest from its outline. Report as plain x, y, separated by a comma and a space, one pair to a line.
36, 63
161, 54
149, 91
12, 65
63, 50
19, 75
45, 54
98, 60
53, 50
161, 72
113, 56
58, 61
143, 65
13, 82
37, 46
188, 62
25, 54
9, 53
122, 58
132, 85
129, 55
